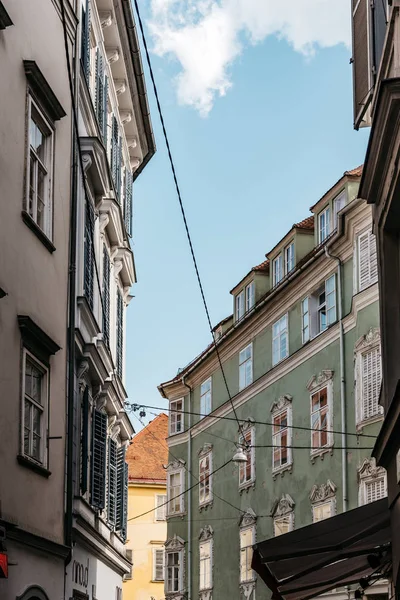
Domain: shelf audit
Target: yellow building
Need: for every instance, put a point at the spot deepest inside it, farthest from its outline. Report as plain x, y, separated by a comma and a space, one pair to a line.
147, 492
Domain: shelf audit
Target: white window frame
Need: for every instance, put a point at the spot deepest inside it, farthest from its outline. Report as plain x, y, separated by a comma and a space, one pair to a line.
247, 433
276, 356
48, 167
288, 518
372, 261
249, 572
154, 553
180, 567
317, 308
314, 386
305, 320
289, 258
202, 565
203, 498
365, 345
245, 375
250, 296
176, 416
331, 502
277, 269
161, 507
205, 398
325, 231
239, 305
43, 408
180, 496
339, 202
277, 437
368, 474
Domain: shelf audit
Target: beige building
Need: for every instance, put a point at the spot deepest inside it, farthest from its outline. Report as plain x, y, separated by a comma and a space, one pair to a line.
35, 133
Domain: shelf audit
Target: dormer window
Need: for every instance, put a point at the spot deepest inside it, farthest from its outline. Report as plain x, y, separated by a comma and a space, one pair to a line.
277, 269
289, 258
250, 296
324, 224
239, 306
338, 203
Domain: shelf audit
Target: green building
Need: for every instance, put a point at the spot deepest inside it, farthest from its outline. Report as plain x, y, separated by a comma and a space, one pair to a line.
302, 372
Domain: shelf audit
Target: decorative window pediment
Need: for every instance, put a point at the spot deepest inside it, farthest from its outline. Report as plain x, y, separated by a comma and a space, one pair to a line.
283, 506
320, 493
282, 402
368, 341
174, 543
41, 88
320, 380
248, 518
248, 424
369, 470
206, 533
205, 449
175, 465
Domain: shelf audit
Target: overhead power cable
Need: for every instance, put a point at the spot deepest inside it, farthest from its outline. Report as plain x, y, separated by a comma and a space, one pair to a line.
211, 415
182, 209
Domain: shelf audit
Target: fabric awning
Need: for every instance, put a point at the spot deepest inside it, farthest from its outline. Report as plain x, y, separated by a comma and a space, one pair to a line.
335, 552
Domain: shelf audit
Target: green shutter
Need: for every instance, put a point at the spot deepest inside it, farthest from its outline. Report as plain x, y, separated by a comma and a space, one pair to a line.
99, 98
105, 111
119, 170
128, 202
106, 296
114, 151
112, 482
85, 40
85, 440
122, 493
98, 460
120, 332
89, 254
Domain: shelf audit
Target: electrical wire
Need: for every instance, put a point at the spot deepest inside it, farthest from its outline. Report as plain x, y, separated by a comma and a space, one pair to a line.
183, 213
302, 428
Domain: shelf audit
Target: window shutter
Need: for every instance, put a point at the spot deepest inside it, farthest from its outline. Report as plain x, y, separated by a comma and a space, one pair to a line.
161, 506
159, 564
128, 202
105, 112
99, 90
106, 296
89, 253
379, 23
375, 490
85, 52
373, 259
120, 333
129, 556
119, 170
363, 260
361, 59
371, 383
122, 493
112, 482
98, 463
85, 440
114, 151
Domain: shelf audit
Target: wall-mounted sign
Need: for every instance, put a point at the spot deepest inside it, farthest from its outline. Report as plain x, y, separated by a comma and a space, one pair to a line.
80, 573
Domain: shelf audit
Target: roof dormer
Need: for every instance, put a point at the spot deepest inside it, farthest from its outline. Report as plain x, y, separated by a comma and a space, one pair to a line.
250, 289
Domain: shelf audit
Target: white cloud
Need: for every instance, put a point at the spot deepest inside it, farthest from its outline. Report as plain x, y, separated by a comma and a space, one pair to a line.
206, 36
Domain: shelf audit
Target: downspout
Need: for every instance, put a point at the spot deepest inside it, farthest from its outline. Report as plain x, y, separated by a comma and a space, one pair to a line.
189, 479
342, 379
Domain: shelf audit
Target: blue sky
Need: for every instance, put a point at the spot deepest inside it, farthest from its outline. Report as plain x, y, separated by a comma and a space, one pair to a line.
264, 153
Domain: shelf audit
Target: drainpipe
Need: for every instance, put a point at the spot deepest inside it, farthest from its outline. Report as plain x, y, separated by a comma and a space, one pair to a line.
342, 379
189, 479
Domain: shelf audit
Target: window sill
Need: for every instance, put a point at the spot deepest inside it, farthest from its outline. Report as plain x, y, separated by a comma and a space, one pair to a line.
281, 470
157, 581
321, 453
246, 486
370, 421
176, 515
27, 219
30, 464
205, 505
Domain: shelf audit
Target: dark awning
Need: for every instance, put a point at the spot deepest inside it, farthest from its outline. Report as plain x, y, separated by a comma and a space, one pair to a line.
309, 561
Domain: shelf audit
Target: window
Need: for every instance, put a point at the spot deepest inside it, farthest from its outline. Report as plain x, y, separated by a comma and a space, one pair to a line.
322, 511
283, 524
158, 564
281, 440
40, 170
247, 470
368, 376
367, 260
246, 366
375, 490
338, 203
324, 221
305, 321
280, 340
205, 552
176, 417
277, 270
205, 398
35, 407
246, 554
174, 572
320, 419
372, 482
174, 492
289, 258
239, 309
250, 296
161, 506
205, 479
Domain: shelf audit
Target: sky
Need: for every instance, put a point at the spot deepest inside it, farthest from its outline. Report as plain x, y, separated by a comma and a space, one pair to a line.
257, 102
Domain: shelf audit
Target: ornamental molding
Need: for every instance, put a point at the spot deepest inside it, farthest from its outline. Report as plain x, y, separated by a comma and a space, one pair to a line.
322, 492
86, 161
282, 402
106, 18
369, 470
126, 116
175, 543
247, 590
246, 425
283, 507
205, 449
319, 380
120, 86
103, 222
206, 533
176, 465
248, 518
82, 370
112, 55
175, 596
135, 162
131, 140
114, 427
100, 398
369, 340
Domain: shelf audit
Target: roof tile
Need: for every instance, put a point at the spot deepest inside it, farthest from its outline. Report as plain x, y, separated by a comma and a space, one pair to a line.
307, 223
148, 451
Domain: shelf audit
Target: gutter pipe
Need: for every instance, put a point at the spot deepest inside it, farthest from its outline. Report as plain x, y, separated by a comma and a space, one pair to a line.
189, 491
342, 378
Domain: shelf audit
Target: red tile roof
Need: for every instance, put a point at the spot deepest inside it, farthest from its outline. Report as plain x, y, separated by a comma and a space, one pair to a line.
264, 267
307, 223
148, 452
357, 172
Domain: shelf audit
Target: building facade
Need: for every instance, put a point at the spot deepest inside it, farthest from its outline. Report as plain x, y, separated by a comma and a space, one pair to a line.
115, 143
301, 372
147, 497
376, 44
35, 191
